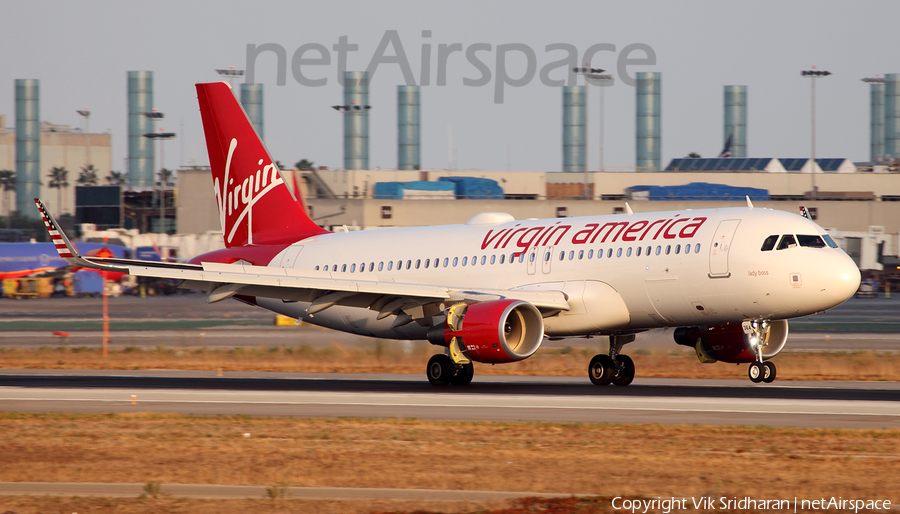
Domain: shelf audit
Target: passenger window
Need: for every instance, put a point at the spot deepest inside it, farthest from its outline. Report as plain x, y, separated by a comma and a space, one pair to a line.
628, 253
390, 265
531, 259
547, 257
668, 249
677, 249
648, 250
769, 243
326, 268
455, 261
381, 266
427, 262
658, 250
619, 252
493, 259
343, 268
317, 268
418, 263
810, 241
522, 257
572, 255
609, 253
483, 259
408, 264
580, 254
590, 254
371, 266
446, 261
399, 265
638, 251
787, 241
830, 241
600, 253
502, 258
562, 255
474, 260
697, 248
687, 248
465, 260
352, 267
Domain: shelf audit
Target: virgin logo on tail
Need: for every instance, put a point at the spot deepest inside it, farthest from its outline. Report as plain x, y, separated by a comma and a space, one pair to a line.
236, 201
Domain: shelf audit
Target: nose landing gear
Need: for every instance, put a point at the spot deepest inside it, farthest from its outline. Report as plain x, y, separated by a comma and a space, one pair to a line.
758, 334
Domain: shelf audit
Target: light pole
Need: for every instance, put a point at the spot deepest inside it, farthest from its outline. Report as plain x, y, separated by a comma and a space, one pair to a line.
162, 179
230, 72
86, 113
813, 74
593, 76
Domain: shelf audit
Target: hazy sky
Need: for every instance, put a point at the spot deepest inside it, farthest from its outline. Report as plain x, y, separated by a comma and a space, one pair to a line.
81, 52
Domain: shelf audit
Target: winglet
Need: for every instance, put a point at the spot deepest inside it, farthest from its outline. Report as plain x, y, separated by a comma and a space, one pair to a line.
804, 212
65, 248
628, 209
749, 203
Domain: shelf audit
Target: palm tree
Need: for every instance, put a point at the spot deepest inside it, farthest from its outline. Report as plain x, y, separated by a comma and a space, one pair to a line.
88, 176
165, 178
7, 183
305, 165
58, 179
117, 178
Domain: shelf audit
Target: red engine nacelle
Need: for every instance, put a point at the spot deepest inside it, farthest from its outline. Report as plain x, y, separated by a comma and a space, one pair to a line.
729, 343
495, 332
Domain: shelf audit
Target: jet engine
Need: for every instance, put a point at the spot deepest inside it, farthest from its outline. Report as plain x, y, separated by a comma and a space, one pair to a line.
494, 332
735, 342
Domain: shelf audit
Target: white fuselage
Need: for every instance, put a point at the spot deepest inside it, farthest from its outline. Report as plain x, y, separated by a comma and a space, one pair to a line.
621, 273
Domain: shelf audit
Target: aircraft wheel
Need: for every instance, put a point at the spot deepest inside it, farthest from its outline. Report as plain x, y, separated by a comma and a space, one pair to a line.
769, 375
624, 376
464, 374
601, 370
756, 372
440, 370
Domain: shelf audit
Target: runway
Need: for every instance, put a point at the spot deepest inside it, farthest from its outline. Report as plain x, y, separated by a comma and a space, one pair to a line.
488, 398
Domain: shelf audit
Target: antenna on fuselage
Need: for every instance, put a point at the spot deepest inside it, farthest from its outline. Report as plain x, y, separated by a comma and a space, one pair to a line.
749, 203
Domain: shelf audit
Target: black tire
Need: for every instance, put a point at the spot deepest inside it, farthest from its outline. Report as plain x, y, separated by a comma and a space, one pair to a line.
601, 370
756, 372
464, 374
624, 376
769, 375
439, 370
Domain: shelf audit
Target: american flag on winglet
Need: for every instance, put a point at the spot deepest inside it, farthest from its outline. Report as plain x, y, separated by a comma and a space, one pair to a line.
726, 152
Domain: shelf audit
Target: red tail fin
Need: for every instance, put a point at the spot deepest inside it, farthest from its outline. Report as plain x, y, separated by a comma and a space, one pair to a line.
255, 205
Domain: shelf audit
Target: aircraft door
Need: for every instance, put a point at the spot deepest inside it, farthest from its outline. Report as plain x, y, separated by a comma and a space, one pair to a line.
719, 249
289, 258
546, 259
532, 260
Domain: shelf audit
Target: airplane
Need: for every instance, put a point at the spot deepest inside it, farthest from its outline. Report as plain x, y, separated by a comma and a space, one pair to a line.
34, 260
492, 289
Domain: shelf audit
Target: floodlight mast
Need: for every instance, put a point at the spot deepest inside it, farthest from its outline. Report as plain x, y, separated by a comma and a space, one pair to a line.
813, 74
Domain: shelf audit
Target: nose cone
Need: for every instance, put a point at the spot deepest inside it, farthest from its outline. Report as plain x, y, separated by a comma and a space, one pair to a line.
841, 280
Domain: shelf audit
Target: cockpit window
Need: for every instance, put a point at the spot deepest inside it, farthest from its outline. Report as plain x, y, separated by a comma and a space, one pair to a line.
830, 242
769, 243
810, 241
787, 241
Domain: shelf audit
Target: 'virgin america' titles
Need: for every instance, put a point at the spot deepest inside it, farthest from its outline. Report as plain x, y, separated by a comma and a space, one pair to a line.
240, 197
525, 237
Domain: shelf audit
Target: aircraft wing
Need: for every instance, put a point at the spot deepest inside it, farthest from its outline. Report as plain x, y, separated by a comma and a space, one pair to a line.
323, 289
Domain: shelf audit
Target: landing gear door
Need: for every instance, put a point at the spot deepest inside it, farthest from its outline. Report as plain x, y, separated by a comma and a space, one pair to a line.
719, 249
546, 259
289, 258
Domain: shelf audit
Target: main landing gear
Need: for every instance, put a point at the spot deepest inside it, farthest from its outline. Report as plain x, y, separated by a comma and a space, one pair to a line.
613, 368
443, 371
762, 372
